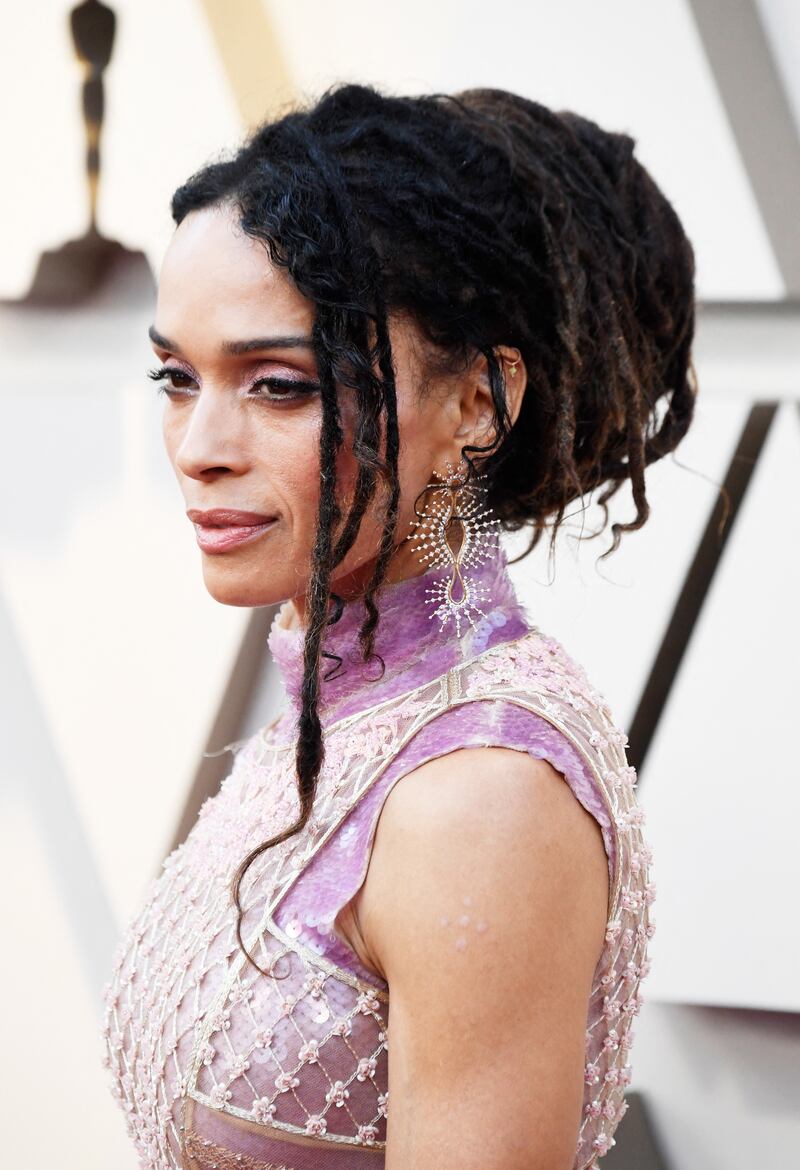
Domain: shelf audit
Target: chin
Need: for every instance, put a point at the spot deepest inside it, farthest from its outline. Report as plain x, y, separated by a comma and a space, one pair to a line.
245, 590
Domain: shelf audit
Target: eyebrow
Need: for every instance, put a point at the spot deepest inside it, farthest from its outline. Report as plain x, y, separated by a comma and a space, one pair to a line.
236, 348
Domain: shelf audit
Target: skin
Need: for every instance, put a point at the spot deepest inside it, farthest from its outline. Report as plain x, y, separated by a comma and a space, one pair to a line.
231, 448
487, 1033
486, 1040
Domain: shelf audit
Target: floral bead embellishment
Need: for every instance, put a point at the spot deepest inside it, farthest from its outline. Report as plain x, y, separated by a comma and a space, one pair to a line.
632, 1006
239, 1066
309, 1053
631, 972
316, 1124
366, 1068
221, 1021
219, 1096
367, 1003
337, 1094
239, 993
315, 983
285, 1081
181, 1089
383, 1104
626, 778
367, 1134
630, 899
611, 1008
263, 1110
626, 942
612, 931
611, 1041
603, 1143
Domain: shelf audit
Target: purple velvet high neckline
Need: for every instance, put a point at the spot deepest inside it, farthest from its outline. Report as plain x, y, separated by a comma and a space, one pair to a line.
411, 643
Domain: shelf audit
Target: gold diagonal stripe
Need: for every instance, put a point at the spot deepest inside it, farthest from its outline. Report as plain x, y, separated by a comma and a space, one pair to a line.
252, 56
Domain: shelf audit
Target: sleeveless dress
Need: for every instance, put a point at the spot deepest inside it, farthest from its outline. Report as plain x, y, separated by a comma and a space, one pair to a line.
218, 1065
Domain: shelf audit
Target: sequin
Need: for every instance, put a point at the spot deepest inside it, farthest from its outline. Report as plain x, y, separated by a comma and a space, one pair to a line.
305, 1047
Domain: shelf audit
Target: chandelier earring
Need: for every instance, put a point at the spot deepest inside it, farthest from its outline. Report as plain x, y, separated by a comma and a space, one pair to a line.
456, 530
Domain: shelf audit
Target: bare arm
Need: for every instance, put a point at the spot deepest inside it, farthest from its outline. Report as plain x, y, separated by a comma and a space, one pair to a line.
485, 907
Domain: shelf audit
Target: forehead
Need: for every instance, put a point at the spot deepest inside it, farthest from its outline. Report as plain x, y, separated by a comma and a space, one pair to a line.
216, 277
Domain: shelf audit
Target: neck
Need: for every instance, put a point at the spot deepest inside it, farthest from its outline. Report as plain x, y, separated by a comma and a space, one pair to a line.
404, 565
410, 640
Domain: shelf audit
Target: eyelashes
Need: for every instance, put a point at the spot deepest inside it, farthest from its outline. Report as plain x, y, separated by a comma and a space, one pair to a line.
296, 388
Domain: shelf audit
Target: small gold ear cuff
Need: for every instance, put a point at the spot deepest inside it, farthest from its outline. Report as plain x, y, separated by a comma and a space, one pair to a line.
512, 367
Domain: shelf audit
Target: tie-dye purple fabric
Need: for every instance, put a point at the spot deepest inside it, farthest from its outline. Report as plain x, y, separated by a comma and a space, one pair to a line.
414, 650
241, 1067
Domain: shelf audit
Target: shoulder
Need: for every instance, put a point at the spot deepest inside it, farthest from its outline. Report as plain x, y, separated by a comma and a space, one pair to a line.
487, 834
485, 909
496, 791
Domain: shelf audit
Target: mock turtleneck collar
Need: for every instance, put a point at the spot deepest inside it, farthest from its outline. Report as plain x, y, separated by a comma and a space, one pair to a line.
410, 642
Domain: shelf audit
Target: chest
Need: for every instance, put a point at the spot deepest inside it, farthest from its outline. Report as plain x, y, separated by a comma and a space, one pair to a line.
285, 1044
192, 1025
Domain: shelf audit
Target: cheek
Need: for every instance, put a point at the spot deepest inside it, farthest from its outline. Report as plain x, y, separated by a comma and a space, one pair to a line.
419, 426
170, 436
291, 468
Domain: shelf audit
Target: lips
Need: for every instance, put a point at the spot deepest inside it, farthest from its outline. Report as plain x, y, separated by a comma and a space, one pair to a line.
227, 518
220, 529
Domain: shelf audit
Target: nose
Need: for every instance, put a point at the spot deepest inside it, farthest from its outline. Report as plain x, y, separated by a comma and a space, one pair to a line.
212, 439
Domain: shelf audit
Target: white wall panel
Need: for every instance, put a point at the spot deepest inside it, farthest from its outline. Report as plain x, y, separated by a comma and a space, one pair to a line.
56, 1102
612, 615
100, 569
598, 59
170, 108
722, 785
781, 21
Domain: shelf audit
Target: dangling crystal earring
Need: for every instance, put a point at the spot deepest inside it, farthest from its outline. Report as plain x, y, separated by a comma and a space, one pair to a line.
459, 510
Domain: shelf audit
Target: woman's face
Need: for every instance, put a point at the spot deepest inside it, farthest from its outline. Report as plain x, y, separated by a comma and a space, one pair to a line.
242, 418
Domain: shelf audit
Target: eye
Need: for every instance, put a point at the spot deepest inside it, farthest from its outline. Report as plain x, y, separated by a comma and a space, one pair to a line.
162, 372
272, 389
293, 388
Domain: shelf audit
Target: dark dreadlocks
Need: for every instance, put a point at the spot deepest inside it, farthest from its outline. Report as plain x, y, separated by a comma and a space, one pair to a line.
489, 219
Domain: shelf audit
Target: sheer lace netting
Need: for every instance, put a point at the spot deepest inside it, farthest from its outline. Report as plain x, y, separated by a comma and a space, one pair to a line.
291, 1068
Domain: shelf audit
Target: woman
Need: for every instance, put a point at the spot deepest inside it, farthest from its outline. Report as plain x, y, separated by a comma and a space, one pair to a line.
389, 328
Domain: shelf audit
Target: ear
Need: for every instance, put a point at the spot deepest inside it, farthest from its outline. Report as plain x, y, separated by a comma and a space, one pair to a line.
475, 396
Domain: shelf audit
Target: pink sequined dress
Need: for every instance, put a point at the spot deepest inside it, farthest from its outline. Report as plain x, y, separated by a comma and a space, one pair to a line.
219, 1066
